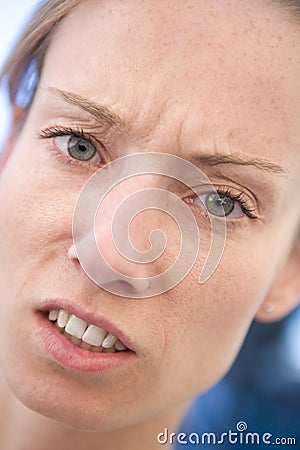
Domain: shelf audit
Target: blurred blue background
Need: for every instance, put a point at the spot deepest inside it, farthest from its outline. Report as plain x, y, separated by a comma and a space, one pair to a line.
14, 15
263, 386
261, 389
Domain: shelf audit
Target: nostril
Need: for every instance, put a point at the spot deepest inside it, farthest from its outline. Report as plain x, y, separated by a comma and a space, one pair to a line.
114, 274
132, 287
72, 255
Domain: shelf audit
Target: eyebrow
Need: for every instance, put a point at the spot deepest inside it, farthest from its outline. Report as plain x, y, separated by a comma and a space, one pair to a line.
240, 160
100, 112
105, 116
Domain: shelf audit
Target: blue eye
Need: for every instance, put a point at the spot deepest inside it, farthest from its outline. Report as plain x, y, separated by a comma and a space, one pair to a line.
77, 147
223, 204
74, 143
219, 204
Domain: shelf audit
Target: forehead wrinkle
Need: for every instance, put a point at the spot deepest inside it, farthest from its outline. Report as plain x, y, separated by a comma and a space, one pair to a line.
149, 118
147, 131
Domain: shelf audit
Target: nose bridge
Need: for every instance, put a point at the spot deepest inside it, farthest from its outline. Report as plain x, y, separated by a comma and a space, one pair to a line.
120, 222
119, 245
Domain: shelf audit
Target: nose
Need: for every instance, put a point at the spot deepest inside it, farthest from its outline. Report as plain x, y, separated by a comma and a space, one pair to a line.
108, 269
107, 255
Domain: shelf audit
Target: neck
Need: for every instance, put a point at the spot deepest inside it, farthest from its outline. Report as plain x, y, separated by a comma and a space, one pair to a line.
26, 429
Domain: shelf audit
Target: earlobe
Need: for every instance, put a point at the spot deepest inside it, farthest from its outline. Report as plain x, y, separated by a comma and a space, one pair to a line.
284, 294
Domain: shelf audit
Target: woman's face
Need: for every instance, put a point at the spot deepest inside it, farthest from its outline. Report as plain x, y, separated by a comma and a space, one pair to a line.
189, 79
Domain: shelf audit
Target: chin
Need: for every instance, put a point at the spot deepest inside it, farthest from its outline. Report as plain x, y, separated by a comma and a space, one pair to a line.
66, 414
71, 408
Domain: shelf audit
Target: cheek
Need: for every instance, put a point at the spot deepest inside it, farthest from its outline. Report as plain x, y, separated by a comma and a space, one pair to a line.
36, 220
33, 212
206, 324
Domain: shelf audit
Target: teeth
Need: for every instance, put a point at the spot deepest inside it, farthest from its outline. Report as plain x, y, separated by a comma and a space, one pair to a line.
53, 315
80, 333
76, 327
109, 341
120, 346
94, 335
63, 318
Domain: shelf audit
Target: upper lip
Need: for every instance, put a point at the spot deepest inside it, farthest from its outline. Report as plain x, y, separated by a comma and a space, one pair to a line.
89, 317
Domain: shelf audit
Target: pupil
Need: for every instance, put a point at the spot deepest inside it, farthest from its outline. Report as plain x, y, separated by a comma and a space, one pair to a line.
219, 204
81, 149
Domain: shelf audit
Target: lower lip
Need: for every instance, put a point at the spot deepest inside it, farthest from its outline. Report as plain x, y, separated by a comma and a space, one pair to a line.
74, 358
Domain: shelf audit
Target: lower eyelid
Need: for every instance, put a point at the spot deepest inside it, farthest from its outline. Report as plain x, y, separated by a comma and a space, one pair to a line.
233, 225
203, 209
62, 132
68, 161
78, 161
247, 205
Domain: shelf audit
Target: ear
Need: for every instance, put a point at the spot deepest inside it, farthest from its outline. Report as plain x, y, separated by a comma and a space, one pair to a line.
18, 114
284, 294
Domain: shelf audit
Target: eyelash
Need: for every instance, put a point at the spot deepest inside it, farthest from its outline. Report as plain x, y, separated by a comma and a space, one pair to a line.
55, 131
238, 197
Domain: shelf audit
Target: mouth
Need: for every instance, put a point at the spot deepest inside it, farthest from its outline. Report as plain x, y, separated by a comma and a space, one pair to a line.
85, 335
81, 341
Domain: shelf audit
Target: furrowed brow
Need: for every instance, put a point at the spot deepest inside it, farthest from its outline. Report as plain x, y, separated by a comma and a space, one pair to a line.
100, 112
241, 160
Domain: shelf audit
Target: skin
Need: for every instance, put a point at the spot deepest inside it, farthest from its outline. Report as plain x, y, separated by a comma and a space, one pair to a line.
186, 78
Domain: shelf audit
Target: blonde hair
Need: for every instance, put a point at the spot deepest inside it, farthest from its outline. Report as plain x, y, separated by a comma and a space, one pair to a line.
29, 52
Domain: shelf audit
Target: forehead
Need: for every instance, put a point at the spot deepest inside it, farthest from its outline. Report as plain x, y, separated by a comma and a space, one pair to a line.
225, 67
